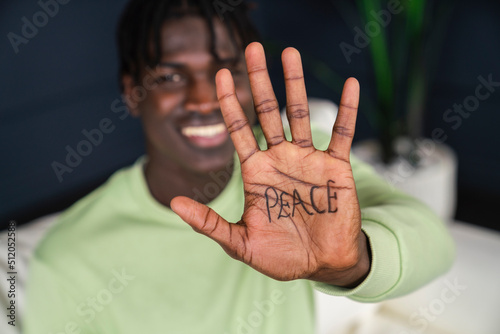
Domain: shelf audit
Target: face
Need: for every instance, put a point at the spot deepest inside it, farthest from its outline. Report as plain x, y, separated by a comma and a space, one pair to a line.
177, 100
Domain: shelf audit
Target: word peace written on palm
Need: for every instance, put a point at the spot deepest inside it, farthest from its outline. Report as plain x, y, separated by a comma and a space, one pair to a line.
302, 217
296, 201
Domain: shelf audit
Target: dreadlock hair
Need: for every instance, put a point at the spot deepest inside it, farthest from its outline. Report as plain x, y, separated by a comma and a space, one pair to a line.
140, 27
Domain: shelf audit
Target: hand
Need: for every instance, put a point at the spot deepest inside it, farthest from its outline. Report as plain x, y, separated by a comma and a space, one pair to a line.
302, 217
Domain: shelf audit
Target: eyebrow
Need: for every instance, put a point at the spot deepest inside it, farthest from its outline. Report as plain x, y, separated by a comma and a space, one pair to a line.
233, 60
169, 64
229, 60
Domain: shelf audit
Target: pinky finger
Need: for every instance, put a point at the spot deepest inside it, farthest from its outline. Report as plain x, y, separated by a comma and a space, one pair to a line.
343, 130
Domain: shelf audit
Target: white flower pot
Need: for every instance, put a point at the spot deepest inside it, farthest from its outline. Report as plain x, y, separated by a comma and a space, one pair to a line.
433, 181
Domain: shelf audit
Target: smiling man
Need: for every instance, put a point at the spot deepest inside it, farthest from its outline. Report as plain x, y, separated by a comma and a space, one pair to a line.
184, 128
296, 216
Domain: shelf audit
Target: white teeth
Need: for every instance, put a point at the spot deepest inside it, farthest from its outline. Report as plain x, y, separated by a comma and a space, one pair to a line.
204, 131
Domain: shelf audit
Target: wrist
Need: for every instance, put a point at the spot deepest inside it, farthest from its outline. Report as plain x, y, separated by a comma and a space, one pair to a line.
352, 276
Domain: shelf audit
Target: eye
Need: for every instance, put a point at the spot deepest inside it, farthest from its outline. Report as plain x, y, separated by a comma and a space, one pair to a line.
171, 78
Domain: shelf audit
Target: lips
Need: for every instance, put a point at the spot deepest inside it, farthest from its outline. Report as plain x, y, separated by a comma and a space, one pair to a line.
206, 136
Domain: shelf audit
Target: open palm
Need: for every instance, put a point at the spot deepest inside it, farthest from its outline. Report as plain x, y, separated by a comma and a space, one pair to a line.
302, 217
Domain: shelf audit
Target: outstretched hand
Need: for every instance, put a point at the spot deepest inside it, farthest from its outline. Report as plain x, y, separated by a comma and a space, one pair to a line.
302, 217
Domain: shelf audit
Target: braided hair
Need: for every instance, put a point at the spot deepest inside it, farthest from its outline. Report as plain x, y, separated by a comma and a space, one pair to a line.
141, 22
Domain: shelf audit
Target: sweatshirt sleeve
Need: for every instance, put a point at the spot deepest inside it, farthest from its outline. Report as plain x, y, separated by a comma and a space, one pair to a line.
410, 245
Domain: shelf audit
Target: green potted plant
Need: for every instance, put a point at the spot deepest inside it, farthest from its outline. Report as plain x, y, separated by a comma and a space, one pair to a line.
403, 39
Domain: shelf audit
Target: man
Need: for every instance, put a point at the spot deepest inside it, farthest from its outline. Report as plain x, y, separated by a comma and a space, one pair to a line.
120, 260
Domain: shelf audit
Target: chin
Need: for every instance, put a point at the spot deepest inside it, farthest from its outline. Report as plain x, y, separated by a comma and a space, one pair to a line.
213, 164
205, 160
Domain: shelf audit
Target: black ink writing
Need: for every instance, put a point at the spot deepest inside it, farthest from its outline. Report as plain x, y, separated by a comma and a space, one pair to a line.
283, 204
312, 201
275, 198
330, 196
296, 201
266, 195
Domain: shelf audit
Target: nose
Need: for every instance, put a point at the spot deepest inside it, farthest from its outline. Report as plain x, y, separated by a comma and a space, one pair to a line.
202, 96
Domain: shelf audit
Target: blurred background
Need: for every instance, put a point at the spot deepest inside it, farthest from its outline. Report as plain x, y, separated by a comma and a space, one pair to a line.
427, 69
61, 81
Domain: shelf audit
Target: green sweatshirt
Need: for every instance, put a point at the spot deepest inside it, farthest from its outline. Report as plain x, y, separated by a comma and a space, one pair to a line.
119, 262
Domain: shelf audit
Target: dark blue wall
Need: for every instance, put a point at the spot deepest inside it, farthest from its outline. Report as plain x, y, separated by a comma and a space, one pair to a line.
61, 82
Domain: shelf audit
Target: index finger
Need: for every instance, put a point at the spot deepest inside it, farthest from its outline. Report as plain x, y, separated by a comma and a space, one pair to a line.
236, 121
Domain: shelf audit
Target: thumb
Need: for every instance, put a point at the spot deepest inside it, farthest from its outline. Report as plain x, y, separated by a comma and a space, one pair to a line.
208, 222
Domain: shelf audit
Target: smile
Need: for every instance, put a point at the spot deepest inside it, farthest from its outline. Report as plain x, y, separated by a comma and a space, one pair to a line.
204, 131
206, 135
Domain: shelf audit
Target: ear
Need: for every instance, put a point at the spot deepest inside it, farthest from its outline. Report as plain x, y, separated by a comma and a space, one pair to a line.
128, 88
